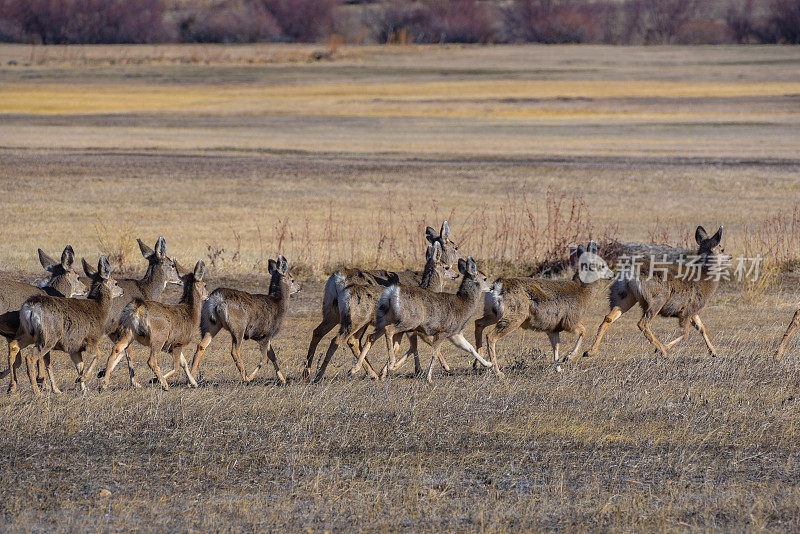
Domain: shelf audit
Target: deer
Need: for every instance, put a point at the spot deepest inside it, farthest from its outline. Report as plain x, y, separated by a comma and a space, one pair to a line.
248, 316
431, 315
358, 305
68, 324
349, 277
550, 306
161, 327
788, 335
62, 282
670, 293
161, 271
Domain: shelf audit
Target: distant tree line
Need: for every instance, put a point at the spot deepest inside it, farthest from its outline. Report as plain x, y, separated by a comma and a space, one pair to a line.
401, 21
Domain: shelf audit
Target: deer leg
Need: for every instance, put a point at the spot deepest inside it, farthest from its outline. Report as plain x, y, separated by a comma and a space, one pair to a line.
644, 325
684, 323
701, 327
5, 373
30, 363
782, 347
201, 349
501, 329
152, 362
555, 341
581, 331
267, 349
615, 313
41, 371
370, 340
48, 369
392, 345
354, 342
435, 347
328, 323
14, 362
461, 342
113, 360
179, 359
412, 350
480, 326
236, 343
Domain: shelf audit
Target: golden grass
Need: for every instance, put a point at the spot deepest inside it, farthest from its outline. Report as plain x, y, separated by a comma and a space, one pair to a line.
458, 99
347, 162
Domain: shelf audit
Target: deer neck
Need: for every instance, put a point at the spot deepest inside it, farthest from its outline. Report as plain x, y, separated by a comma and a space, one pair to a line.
431, 279
469, 291
152, 283
279, 290
101, 294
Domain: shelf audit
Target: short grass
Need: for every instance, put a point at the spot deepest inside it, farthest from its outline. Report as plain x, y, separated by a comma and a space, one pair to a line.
235, 154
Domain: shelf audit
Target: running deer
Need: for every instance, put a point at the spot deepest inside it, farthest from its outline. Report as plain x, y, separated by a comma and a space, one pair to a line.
248, 316
358, 305
63, 282
550, 306
67, 324
788, 335
669, 292
435, 316
160, 271
162, 327
344, 278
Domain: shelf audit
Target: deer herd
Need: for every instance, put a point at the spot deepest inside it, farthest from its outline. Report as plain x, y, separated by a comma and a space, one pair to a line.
72, 315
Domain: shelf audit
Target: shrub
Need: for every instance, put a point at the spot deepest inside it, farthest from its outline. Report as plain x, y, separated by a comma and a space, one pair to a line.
785, 19
546, 21
239, 21
302, 20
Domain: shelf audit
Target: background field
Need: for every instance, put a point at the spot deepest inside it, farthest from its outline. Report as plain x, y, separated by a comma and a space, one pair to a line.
237, 153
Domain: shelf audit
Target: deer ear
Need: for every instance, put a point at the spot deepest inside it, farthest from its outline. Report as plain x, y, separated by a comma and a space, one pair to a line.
431, 235
580, 251
146, 251
178, 267
47, 262
199, 270
67, 258
445, 233
717, 238
87, 268
462, 266
283, 265
272, 266
437, 251
161, 247
592, 247
472, 267
700, 235
103, 268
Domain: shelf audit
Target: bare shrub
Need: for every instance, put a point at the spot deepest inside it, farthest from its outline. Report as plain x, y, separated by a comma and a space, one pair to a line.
86, 21
548, 21
396, 22
235, 21
784, 17
457, 21
704, 32
118, 244
739, 18
663, 18
302, 20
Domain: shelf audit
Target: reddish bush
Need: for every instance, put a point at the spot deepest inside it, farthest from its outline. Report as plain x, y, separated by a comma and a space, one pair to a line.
457, 21
86, 21
303, 20
235, 21
547, 21
739, 18
785, 19
704, 32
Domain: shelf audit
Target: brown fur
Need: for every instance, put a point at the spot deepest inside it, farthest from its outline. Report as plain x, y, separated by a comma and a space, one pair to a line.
434, 315
67, 324
358, 305
162, 327
248, 316
343, 278
667, 294
550, 306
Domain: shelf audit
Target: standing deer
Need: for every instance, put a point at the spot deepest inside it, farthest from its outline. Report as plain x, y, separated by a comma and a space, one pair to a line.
550, 306
788, 335
358, 305
67, 324
160, 271
670, 294
339, 281
436, 316
248, 316
63, 282
162, 327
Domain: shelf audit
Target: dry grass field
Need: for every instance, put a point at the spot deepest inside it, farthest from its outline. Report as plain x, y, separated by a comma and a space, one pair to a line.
235, 154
